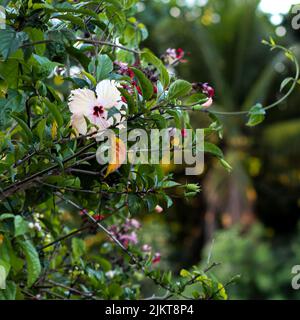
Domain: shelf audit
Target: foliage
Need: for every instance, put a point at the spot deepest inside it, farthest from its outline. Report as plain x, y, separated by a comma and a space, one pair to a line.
224, 42
66, 222
263, 260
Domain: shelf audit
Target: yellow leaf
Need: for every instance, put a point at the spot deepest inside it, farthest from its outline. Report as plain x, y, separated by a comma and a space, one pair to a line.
1, 238
184, 273
54, 130
58, 80
118, 155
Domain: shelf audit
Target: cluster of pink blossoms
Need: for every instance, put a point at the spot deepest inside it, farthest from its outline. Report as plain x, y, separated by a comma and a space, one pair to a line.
127, 235
173, 56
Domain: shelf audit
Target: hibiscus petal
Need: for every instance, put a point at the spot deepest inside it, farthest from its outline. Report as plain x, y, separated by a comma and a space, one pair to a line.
81, 101
99, 122
78, 123
108, 95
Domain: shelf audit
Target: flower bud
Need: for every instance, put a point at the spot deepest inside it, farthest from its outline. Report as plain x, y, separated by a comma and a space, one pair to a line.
156, 258
190, 194
30, 225
158, 209
192, 187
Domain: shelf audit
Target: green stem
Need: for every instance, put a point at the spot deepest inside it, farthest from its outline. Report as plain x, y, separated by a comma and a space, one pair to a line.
276, 103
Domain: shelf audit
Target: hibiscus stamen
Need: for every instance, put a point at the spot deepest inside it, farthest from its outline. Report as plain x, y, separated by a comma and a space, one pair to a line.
98, 111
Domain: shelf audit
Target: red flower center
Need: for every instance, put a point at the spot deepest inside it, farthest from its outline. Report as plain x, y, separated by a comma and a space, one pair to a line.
98, 111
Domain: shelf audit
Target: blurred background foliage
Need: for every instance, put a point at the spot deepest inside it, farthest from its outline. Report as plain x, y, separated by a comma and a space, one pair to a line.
246, 219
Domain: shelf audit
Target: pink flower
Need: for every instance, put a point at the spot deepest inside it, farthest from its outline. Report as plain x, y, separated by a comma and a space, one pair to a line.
129, 238
208, 103
146, 248
180, 54
156, 258
173, 56
134, 223
124, 69
208, 90
184, 133
99, 217
158, 209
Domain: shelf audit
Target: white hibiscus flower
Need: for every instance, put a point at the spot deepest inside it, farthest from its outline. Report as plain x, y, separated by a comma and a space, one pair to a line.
84, 103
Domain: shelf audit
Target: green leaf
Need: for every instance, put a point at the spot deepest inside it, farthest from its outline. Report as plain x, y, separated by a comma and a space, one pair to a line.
194, 99
156, 62
178, 89
226, 165
4, 216
33, 261
24, 126
55, 112
213, 149
144, 82
69, 17
168, 202
66, 7
132, 107
45, 63
101, 66
134, 204
170, 184
10, 292
160, 121
151, 201
285, 82
105, 264
41, 129
14, 102
256, 115
21, 226
9, 71
78, 248
90, 77
36, 35
116, 17
176, 116
79, 56
10, 41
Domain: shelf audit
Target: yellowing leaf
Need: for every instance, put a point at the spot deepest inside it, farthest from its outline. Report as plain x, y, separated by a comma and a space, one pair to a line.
184, 273
222, 291
54, 130
58, 80
118, 155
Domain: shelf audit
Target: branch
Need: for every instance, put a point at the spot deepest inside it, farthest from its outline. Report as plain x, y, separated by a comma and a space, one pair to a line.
75, 291
100, 226
27, 182
274, 104
73, 233
134, 259
106, 43
91, 41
